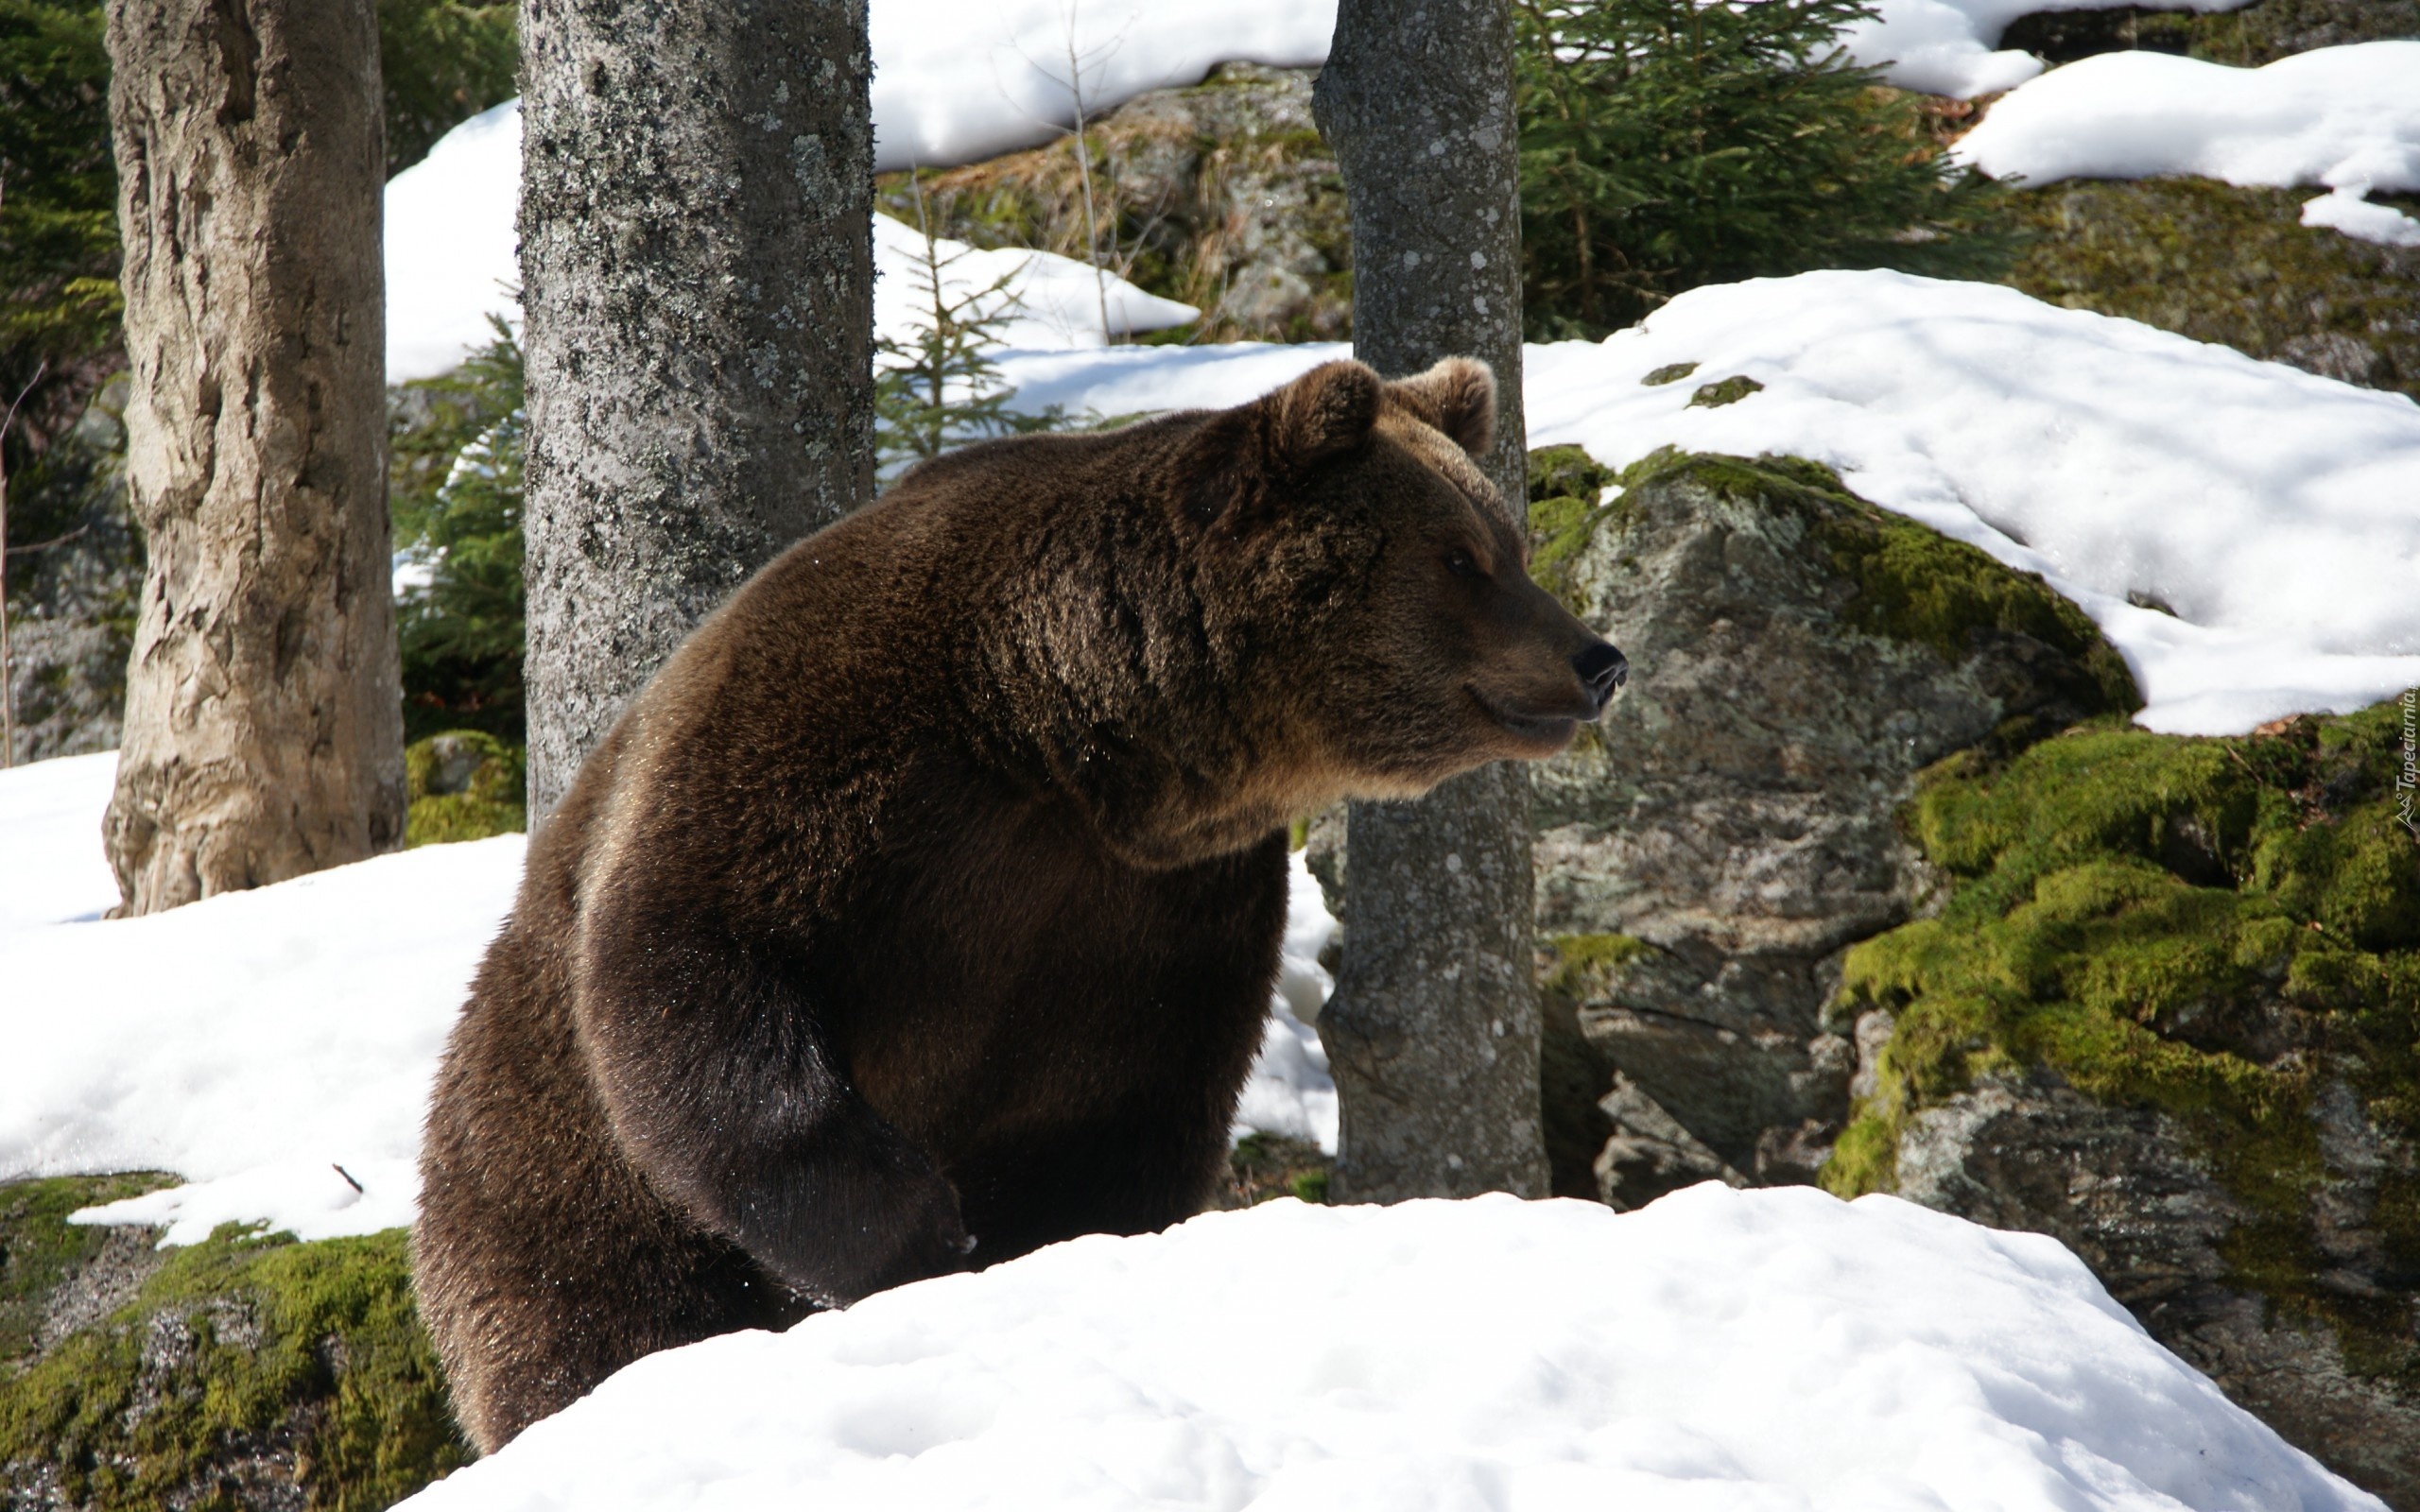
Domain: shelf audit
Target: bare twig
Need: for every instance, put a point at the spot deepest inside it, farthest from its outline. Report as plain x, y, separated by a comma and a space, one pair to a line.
1084, 177
45, 545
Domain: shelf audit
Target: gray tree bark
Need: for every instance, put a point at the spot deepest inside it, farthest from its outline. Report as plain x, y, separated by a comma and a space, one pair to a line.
696, 257
1433, 1030
264, 717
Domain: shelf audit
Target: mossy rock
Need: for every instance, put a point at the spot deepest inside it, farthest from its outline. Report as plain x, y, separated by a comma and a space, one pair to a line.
1705, 853
2248, 37
247, 1371
2231, 266
464, 784
46, 1260
2201, 955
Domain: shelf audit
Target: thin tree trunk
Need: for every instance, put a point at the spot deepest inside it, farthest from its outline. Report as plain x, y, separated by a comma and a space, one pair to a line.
696, 257
1433, 1031
264, 720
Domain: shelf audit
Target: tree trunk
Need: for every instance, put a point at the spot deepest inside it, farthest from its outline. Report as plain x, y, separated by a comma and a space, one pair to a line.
264, 720
1433, 1031
696, 256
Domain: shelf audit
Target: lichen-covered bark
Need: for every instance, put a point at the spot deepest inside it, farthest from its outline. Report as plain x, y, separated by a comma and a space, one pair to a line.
264, 725
1434, 1028
696, 183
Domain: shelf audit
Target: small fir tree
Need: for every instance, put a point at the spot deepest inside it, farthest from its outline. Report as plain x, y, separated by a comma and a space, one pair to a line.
1667, 144
940, 387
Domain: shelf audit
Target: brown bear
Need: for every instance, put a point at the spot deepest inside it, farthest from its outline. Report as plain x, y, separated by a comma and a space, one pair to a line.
924, 908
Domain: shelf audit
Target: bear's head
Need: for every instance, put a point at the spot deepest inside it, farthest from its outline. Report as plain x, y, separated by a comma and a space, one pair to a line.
1382, 583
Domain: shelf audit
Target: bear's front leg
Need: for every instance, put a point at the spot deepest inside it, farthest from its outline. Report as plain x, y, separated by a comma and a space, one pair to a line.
720, 1090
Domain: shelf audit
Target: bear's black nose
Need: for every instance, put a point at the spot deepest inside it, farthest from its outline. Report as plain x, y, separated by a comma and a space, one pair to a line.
1602, 669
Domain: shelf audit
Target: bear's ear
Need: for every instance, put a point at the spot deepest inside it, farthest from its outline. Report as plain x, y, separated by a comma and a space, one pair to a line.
1457, 396
1325, 413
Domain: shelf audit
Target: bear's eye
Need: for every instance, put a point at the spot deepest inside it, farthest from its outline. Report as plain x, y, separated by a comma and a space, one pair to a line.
1461, 564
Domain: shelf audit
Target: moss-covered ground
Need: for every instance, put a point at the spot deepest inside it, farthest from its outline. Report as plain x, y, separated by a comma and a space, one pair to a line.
2209, 928
234, 1354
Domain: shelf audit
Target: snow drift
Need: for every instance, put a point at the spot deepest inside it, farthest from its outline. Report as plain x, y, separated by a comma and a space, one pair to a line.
1718, 1351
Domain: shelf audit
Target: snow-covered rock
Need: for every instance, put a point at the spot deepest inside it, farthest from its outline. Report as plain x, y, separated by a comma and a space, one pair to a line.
1948, 46
1718, 1351
961, 80
2347, 118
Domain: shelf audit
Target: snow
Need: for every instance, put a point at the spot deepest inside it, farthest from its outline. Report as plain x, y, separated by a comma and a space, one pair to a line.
1775, 1350
955, 82
2347, 118
1948, 46
2272, 510
961, 80
1290, 1091
1046, 301
452, 256
250, 1042
256, 1043
50, 835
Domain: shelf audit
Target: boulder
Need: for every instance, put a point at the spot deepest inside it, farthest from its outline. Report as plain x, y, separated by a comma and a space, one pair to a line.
1221, 194
1707, 853
464, 784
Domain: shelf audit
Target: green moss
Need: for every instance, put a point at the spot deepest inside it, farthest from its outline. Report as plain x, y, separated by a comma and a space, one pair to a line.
1566, 505
2177, 924
40, 1249
1916, 584
1725, 392
1671, 372
491, 803
1582, 966
236, 1348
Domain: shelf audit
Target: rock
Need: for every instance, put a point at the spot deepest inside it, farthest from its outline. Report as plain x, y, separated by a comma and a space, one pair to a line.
2168, 1013
2216, 263
2245, 38
247, 1373
1705, 853
75, 574
1221, 194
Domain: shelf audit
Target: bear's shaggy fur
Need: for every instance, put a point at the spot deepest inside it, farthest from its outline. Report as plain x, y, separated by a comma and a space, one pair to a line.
923, 908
